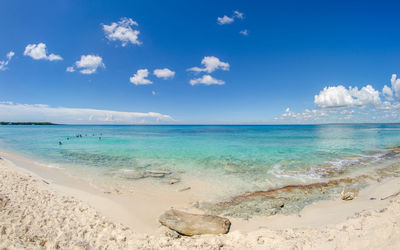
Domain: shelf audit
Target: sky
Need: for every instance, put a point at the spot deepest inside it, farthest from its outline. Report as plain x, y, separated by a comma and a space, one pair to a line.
199, 62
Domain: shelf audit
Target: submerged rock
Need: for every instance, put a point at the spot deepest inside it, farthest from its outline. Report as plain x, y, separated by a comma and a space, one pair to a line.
157, 173
194, 224
289, 199
136, 174
133, 175
173, 181
348, 195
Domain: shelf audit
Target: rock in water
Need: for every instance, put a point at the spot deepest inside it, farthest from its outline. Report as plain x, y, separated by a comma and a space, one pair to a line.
157, 173
194, 224
348, 195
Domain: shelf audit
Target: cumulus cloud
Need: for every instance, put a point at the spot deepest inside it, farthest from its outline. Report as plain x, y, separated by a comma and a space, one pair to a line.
123, 31
227, 20
88, 64
164, 73
244, 32
3, 64
387, 92
395, 86
39, 52
341, 104
44, 113
206, 80
339, 96
139, 78
211, 63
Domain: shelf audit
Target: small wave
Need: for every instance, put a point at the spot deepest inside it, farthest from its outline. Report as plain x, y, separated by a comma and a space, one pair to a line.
328, 169
56, 166
280, 173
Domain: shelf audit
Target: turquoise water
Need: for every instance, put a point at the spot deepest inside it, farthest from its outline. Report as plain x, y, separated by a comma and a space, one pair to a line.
253, 154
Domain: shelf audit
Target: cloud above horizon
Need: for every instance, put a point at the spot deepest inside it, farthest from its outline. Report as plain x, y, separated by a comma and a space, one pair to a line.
339, 96
211, 63
87, 65
123, 31
227, 20
39, 52
395, 86
11, 112
206, 80
140, 77
3, 64
341, 104
164, 73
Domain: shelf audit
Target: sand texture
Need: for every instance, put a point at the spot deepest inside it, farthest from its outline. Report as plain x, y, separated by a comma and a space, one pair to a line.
34, 216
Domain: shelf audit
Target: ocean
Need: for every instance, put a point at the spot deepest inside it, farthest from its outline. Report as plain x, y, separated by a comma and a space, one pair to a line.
234, 158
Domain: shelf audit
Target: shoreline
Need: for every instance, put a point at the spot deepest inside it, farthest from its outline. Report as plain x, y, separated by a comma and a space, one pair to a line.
319, 216
121, 208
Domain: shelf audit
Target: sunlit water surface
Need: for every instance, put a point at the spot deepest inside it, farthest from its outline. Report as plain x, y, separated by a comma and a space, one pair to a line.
233, 158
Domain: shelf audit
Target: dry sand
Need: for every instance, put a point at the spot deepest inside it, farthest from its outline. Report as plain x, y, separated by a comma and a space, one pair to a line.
41, 209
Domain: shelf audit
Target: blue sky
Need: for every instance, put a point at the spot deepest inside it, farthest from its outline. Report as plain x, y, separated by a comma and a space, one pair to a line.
292, 51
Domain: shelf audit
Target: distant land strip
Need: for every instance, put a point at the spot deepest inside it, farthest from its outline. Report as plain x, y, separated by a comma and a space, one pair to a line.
27, 123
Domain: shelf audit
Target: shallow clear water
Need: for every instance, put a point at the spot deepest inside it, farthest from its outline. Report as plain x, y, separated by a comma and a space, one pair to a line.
254, 156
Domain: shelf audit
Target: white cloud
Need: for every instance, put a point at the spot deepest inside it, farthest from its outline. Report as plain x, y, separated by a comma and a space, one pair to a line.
384, 112
88, 64
10, 55
395, 86
238, 14
39, 52
211, 63
244, 32
139, 78
122, 31
164, 73
314, 115
340, 104
206, 80
44, 113
227, 20
387, 92
70, 69
224, 20
339, 96
153, 92
3, 64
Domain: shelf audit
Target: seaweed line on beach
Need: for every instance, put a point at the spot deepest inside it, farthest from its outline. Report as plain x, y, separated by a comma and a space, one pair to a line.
291, 199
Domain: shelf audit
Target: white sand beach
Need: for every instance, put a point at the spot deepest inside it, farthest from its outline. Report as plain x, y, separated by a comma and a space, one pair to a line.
45, 209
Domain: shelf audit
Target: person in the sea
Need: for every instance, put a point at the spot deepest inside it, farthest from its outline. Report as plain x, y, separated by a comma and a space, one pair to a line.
59, 143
